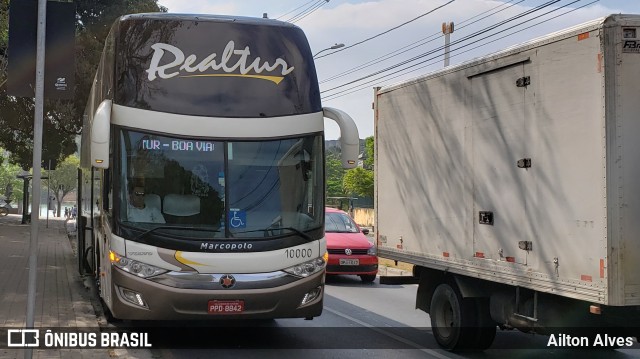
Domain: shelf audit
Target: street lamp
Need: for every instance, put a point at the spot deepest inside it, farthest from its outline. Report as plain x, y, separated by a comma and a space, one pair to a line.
336, 46
447, 29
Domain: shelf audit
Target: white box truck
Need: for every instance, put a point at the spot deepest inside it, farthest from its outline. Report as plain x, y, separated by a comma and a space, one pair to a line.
512, 184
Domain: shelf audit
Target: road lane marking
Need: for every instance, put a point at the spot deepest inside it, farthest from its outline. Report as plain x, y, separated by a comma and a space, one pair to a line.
408, 342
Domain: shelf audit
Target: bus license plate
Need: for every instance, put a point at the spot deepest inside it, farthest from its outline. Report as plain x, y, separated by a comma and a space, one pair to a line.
225, 306
349, 262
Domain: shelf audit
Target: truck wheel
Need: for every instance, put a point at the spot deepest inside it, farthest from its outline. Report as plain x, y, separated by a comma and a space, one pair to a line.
3, 211
485, 330
452, 318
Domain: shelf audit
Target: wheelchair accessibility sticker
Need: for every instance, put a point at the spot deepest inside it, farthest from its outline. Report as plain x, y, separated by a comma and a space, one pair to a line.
237, 218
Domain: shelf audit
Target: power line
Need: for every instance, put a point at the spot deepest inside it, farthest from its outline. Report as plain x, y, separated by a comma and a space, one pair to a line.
419, 43
387, 31
287, 13
465, 38
364, 86
310, 12
514, 32
404, 70
304, 13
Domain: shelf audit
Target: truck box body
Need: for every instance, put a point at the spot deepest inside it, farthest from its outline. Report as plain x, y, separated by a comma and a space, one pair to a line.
522, 167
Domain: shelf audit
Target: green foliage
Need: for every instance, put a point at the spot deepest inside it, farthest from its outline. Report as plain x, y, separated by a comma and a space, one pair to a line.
334, 174
358, 181
63, 179
8, 173
62, 120
4, 39
369, 152
354, 182
4, 28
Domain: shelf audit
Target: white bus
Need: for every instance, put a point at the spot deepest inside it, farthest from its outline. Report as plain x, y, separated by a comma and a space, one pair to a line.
202, 170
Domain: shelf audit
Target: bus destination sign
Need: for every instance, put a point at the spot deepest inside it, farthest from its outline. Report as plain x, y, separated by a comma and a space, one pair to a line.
177, 145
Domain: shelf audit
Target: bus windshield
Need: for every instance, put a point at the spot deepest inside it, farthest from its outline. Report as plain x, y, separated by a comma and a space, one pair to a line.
221, 189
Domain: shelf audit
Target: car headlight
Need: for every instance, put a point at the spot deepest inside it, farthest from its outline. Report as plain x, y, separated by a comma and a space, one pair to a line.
140, 269
307, 268
372, 251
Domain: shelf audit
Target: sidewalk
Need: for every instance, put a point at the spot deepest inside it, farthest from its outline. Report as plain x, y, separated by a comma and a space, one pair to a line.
62, 300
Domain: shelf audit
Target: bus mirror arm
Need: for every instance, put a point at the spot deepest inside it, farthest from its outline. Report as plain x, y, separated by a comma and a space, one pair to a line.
349, 137
100, 128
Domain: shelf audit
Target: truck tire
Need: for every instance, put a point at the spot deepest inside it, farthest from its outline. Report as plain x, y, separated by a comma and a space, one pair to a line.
453, 319
485, 329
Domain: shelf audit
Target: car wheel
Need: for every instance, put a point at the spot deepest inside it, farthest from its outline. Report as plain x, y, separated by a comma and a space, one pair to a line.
368, 278
3, 211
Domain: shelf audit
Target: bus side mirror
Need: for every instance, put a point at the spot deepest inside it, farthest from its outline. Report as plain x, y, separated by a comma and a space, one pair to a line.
100, 128
349, 138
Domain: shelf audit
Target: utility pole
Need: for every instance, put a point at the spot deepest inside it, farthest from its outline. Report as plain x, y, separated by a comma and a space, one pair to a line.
447, 29
37, 158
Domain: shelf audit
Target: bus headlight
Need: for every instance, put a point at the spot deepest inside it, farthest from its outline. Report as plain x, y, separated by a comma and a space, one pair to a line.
140, 269
307, 268
372, 251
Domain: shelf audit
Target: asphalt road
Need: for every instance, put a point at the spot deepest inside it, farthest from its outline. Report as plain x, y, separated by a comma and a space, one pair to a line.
360, 320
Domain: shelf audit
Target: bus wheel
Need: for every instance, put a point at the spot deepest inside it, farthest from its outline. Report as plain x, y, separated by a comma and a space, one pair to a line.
452, 318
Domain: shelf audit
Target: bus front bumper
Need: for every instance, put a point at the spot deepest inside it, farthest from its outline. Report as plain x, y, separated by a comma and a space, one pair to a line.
135, 298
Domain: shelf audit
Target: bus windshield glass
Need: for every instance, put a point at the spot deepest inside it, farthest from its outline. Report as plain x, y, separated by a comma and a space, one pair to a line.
221, 189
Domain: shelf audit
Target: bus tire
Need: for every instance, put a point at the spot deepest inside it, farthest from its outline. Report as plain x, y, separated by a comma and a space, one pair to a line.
452, 318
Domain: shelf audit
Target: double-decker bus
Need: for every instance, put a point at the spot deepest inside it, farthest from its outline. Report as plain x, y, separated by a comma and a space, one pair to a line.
201, 187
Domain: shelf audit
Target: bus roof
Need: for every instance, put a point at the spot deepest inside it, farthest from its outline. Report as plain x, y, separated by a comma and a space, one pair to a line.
205, 17
210, 65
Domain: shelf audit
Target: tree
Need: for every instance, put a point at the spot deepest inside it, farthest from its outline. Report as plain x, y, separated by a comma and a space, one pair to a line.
8, 173
4, 37
334, 174
4, 34
62, 120
358, 181
369, 152
64, 179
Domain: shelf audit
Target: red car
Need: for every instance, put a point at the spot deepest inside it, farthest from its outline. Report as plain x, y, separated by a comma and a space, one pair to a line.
350, 252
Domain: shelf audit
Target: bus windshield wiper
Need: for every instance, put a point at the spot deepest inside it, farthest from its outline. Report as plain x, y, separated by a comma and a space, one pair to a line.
145, 233
295, 230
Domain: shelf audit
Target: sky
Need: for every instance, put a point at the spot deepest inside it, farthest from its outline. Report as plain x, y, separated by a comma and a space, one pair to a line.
381, 34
